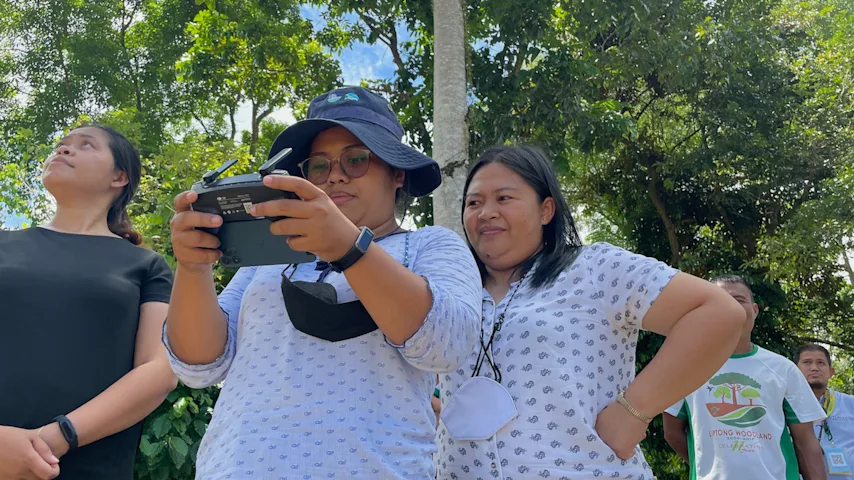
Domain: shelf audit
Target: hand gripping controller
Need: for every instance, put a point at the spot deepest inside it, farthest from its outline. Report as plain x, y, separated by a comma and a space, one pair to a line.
246, 240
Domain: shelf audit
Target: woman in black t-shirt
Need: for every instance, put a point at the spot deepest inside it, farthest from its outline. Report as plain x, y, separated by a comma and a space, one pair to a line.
81, 361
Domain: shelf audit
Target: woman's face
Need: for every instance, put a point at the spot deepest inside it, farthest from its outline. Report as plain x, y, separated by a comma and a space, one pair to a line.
504, 217
368, 200
83, 162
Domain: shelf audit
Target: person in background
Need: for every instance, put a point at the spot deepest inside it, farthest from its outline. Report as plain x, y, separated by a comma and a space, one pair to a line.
836, 432
551, 391
83, 307
336, 388
753, 418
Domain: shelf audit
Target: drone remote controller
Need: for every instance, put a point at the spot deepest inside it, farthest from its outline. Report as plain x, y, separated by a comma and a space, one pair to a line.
246, 240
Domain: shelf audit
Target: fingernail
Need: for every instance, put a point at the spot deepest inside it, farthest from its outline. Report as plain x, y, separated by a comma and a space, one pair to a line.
54, 459
268, 180
216, 220
252, 210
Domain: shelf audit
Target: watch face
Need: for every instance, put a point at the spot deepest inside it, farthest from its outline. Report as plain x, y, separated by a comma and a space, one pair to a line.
365, 239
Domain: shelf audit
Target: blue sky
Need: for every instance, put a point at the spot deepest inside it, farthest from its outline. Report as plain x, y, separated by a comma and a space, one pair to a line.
360, 61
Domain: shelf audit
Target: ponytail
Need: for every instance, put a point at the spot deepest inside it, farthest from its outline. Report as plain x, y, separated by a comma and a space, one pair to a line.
120, 224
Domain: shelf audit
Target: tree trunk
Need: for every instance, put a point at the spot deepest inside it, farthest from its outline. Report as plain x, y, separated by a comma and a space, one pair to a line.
450, 131
669, 226
253, 140
734, 395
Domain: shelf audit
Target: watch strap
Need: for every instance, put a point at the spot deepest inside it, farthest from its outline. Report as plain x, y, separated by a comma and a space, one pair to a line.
356, 252
68, 431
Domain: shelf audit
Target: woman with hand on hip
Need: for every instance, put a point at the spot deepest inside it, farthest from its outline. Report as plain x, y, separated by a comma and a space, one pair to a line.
327, 367
551, 392
83, 308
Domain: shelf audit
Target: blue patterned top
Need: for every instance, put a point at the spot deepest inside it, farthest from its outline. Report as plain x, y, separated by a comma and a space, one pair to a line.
565, 351
298, 407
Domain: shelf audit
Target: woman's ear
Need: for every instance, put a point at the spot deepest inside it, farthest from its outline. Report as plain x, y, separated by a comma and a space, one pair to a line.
547, 210
399, 177
120, 179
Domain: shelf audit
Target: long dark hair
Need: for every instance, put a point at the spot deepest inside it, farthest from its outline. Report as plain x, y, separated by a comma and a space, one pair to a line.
561, 242
126, 159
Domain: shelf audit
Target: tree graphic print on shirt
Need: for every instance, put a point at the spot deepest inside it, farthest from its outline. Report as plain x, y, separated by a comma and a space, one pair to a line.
730, 386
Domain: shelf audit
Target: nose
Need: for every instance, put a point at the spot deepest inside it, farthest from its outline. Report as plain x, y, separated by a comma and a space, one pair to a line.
487, 211
336, 173
64, 150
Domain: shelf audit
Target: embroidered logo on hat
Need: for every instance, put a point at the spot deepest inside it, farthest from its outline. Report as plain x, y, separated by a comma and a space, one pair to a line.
351, 96
334, 97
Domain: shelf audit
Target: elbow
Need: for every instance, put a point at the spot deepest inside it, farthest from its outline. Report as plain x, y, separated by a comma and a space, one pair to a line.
169, 381
729, 315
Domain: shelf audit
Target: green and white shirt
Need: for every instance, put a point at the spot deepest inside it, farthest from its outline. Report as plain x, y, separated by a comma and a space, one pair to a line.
738, 421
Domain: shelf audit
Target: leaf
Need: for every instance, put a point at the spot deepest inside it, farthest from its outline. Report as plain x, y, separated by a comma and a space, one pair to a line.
200, 427
145, 446
161, 426
178, 451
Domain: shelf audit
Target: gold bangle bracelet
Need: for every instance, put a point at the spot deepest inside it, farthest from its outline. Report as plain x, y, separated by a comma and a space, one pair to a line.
39, 433
621, 399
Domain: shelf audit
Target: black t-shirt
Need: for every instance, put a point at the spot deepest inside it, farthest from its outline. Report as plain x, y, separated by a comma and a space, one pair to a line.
69, 311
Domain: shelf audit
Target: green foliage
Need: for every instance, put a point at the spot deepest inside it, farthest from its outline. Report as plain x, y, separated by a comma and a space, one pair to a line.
171, 434
258, 52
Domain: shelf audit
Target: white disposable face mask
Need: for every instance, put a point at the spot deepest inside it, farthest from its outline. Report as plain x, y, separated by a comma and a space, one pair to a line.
478, 410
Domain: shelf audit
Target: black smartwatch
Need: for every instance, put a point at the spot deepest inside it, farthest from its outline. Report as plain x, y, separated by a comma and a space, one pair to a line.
356, 252
68, 431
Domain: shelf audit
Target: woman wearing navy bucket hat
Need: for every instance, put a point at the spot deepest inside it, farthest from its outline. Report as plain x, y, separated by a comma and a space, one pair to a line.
327, 367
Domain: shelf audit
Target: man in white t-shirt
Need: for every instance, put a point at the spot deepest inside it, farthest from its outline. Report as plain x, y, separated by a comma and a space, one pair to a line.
753, 419
836, 433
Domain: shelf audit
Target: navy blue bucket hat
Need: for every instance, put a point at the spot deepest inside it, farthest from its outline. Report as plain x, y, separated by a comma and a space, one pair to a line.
370, 118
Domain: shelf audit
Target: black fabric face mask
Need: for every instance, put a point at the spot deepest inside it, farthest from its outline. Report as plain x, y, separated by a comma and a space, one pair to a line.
314, 310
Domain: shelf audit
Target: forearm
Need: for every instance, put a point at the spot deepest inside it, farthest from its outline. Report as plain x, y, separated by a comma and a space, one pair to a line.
679, 443
810, 460
196, 327
397, 299
695, 348
123, 404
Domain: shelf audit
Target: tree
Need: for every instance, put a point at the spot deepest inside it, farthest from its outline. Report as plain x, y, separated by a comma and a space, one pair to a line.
723, 392
736, 382
259, 52
82, 58
750, 394
450, 131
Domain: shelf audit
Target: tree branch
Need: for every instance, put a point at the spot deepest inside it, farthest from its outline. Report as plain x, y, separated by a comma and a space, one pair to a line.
207, 132
231, 113
848, 348
639, 115
748, 243
387, 38
686, 139
672, 237
520, 59
846, 262
263, 115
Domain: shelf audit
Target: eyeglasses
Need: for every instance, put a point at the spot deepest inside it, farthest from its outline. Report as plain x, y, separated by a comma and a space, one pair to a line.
354, 162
